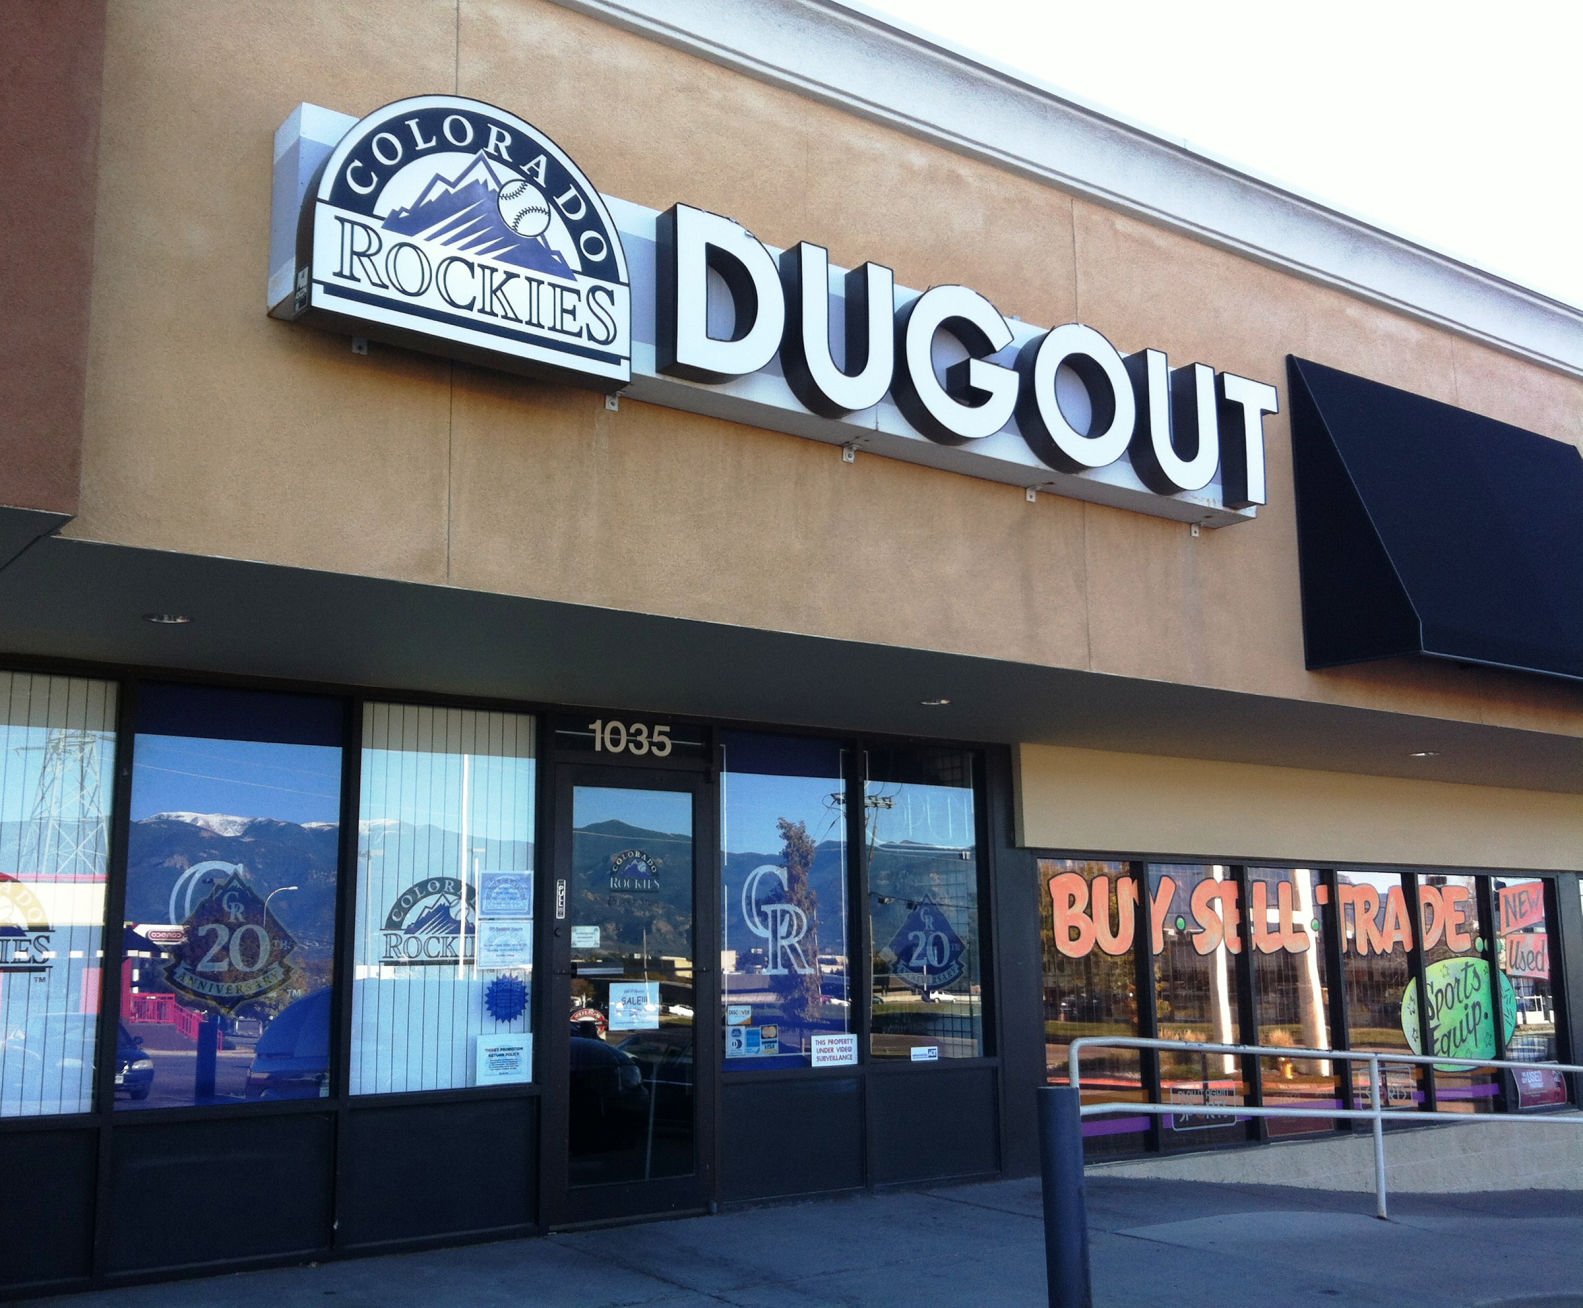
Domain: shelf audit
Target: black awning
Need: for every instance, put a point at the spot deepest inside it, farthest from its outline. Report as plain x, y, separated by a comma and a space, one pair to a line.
1425, 529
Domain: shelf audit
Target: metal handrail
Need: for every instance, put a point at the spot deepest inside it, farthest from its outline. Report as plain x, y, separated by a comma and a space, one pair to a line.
1375, 1113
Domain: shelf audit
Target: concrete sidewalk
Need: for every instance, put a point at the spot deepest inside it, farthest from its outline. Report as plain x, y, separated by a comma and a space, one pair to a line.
1164, 1242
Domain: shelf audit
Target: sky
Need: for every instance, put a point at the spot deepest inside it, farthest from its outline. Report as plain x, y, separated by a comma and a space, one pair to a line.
1453, 124
292, 783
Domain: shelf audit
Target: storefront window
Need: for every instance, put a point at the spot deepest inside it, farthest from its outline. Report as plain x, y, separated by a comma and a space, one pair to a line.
920, 832
1522, 950
57, 771
783, 957
1470, 1006
233, 861
1092, 915
1195, 982
1376, 950
443, 960
1292, 991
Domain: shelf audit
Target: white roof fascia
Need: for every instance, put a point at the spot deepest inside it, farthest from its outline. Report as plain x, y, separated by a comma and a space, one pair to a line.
885, 71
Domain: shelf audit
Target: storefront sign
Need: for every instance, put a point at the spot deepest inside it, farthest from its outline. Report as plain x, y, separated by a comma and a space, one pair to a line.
234, 951
1539, 1087
448, 225
634, 1005
457, 227
425, 925
506, 998
1461, 1010
1522, 906
503, 1059
927, 954
634, 872
505, 894
779, 924
1397, 1089
1208, 1094
1104, 913
24, 929
1528, 955
505, 943
1180, 430
832, 1050
752, 1041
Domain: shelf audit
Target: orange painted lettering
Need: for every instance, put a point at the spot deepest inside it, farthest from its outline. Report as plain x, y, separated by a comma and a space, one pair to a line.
1074, 931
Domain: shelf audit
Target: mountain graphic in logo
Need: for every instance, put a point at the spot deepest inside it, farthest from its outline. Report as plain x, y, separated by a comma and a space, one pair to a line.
464, 211
442, 918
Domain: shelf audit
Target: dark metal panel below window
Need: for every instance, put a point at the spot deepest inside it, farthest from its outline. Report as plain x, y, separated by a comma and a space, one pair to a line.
45, 1208
935, 1123
439, 1169
797, 1136
205, 1193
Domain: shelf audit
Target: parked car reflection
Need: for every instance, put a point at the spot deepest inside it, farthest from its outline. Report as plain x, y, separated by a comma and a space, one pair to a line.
53, 1054
609, 1104
292, 1058
666, 1059
134, 1069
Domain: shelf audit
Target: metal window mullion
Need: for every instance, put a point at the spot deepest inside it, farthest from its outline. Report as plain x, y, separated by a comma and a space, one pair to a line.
1148, 1015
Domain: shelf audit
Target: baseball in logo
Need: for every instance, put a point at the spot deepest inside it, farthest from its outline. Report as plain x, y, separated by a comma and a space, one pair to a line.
455, 227
524, 208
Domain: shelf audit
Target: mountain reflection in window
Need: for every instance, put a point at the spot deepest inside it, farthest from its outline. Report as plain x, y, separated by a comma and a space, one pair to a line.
921, 837
233, 860
783, 962
445, 852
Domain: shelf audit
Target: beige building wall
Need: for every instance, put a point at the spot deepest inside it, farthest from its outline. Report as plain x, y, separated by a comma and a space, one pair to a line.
212, 429
1138, 805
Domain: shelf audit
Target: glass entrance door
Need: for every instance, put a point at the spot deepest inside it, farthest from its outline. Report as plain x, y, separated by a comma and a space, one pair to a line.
628, 981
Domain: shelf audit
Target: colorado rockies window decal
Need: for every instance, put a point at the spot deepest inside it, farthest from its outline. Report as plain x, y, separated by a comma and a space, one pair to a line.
451, 226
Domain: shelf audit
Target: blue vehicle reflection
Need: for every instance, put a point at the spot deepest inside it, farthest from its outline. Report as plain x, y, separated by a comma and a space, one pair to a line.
134, 1069
292, 1058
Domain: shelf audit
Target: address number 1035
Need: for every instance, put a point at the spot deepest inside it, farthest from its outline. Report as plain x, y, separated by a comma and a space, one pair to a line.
612, 736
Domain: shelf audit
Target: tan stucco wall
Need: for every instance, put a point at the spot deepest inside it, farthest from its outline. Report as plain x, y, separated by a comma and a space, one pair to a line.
1137, 805
213, 429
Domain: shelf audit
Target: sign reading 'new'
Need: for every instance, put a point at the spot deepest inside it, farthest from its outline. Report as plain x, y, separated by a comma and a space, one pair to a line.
453, 227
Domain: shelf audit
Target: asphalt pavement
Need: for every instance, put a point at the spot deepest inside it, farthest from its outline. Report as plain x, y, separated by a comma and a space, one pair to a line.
1160, 1242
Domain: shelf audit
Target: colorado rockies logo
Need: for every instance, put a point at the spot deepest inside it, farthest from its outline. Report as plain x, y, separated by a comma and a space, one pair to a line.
781, 925
24, 929
430, 923
632, 870
454, 221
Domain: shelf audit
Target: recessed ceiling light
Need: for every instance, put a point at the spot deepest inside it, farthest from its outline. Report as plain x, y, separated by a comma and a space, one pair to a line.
167, 619
934, 703
1425, 753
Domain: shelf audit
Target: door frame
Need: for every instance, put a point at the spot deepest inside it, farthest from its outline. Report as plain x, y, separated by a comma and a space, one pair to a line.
561, 1203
